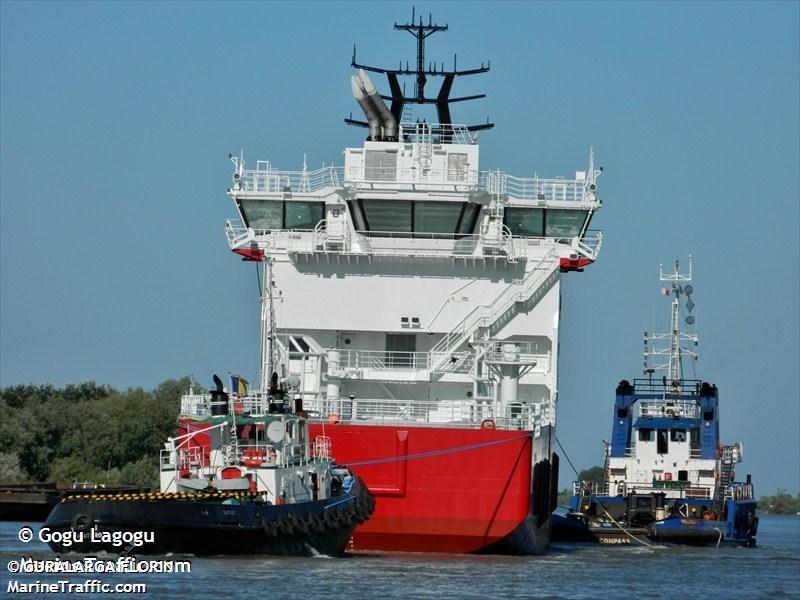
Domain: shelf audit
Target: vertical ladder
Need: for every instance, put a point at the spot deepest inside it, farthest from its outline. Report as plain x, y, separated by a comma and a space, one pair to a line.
727, 461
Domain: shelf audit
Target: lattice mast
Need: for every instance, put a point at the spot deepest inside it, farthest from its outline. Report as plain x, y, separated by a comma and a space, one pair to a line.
268, 328
442, 101
665, 351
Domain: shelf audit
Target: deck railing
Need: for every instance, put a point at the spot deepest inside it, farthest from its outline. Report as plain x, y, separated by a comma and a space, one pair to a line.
264, 179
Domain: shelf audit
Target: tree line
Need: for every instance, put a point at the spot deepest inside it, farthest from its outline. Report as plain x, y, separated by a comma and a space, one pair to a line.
86, 432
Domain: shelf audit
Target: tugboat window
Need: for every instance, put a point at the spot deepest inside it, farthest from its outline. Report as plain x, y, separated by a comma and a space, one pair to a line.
645, 435
678, 435
662, 441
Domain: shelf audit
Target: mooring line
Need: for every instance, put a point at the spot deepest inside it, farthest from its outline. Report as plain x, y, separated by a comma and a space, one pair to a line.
441, 452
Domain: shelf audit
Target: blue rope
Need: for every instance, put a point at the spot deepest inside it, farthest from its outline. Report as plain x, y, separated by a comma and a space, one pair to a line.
338, 502
428, 454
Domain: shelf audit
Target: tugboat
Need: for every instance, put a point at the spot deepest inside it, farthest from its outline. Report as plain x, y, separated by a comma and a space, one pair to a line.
259, 487
667, 477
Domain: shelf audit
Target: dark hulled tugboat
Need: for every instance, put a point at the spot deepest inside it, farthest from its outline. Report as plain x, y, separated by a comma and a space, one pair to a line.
260, 487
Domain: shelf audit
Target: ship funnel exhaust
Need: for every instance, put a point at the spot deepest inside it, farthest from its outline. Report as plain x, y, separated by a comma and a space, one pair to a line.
382, 124
366, 106
387, 119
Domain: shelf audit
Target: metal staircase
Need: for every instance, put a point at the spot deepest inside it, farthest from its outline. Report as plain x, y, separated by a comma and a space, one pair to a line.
486, 318
727, 460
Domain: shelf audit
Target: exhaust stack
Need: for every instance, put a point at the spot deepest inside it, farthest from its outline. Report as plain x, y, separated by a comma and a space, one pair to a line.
366, 106
387, 119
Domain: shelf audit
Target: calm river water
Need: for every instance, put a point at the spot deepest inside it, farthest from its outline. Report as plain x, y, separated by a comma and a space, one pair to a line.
771, 570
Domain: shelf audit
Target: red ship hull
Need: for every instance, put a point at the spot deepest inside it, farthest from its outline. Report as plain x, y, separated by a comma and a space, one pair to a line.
447, 489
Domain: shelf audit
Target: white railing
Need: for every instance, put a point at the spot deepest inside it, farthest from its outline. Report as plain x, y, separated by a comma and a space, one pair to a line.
196, 405
425, 133
535, 188
379, 360
514, 351
486, 315
669, 409
613, 488
441, 413
268, 180
321, 448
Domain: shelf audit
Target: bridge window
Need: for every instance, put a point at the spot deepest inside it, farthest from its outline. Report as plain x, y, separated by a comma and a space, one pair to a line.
269, 215
564, 223
262, 215
417, 217
645, 435
525, 222
304, 215
388, 215
436, 217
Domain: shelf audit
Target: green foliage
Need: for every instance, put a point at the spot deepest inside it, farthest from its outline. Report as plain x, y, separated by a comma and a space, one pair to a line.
782, 503
86, 432
10, 471
591, 474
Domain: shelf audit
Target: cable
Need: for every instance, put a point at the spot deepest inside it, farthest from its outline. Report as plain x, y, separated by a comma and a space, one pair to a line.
430, 453
578, 475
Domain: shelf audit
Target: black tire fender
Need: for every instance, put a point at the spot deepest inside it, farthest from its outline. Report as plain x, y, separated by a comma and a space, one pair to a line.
82, 522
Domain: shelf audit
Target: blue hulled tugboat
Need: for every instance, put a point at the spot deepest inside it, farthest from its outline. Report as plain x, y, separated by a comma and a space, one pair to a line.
667, 477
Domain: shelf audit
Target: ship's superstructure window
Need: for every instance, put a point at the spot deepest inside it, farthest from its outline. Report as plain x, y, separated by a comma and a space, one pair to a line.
525, 222
662, 441
645, 435
417, 217
456, 166
564, 223
303, 215
263, 215
388, 215
436, 217
678, 435
380, 165
538, 222
269, 215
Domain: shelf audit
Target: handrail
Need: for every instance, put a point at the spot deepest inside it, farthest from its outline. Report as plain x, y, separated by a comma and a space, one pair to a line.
517, 291
514, 189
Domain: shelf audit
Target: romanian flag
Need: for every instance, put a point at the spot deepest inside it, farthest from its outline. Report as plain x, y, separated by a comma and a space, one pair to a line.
239, 385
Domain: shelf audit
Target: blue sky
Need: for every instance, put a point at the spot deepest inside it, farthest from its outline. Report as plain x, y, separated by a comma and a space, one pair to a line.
116, 120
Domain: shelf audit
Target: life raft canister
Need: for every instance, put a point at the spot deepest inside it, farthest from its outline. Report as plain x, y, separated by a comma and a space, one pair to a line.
231, 473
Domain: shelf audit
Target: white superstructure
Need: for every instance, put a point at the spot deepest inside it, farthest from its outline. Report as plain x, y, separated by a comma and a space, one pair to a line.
411, 286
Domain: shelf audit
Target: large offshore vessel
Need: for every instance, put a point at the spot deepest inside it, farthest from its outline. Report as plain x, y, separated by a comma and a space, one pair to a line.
419, 310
